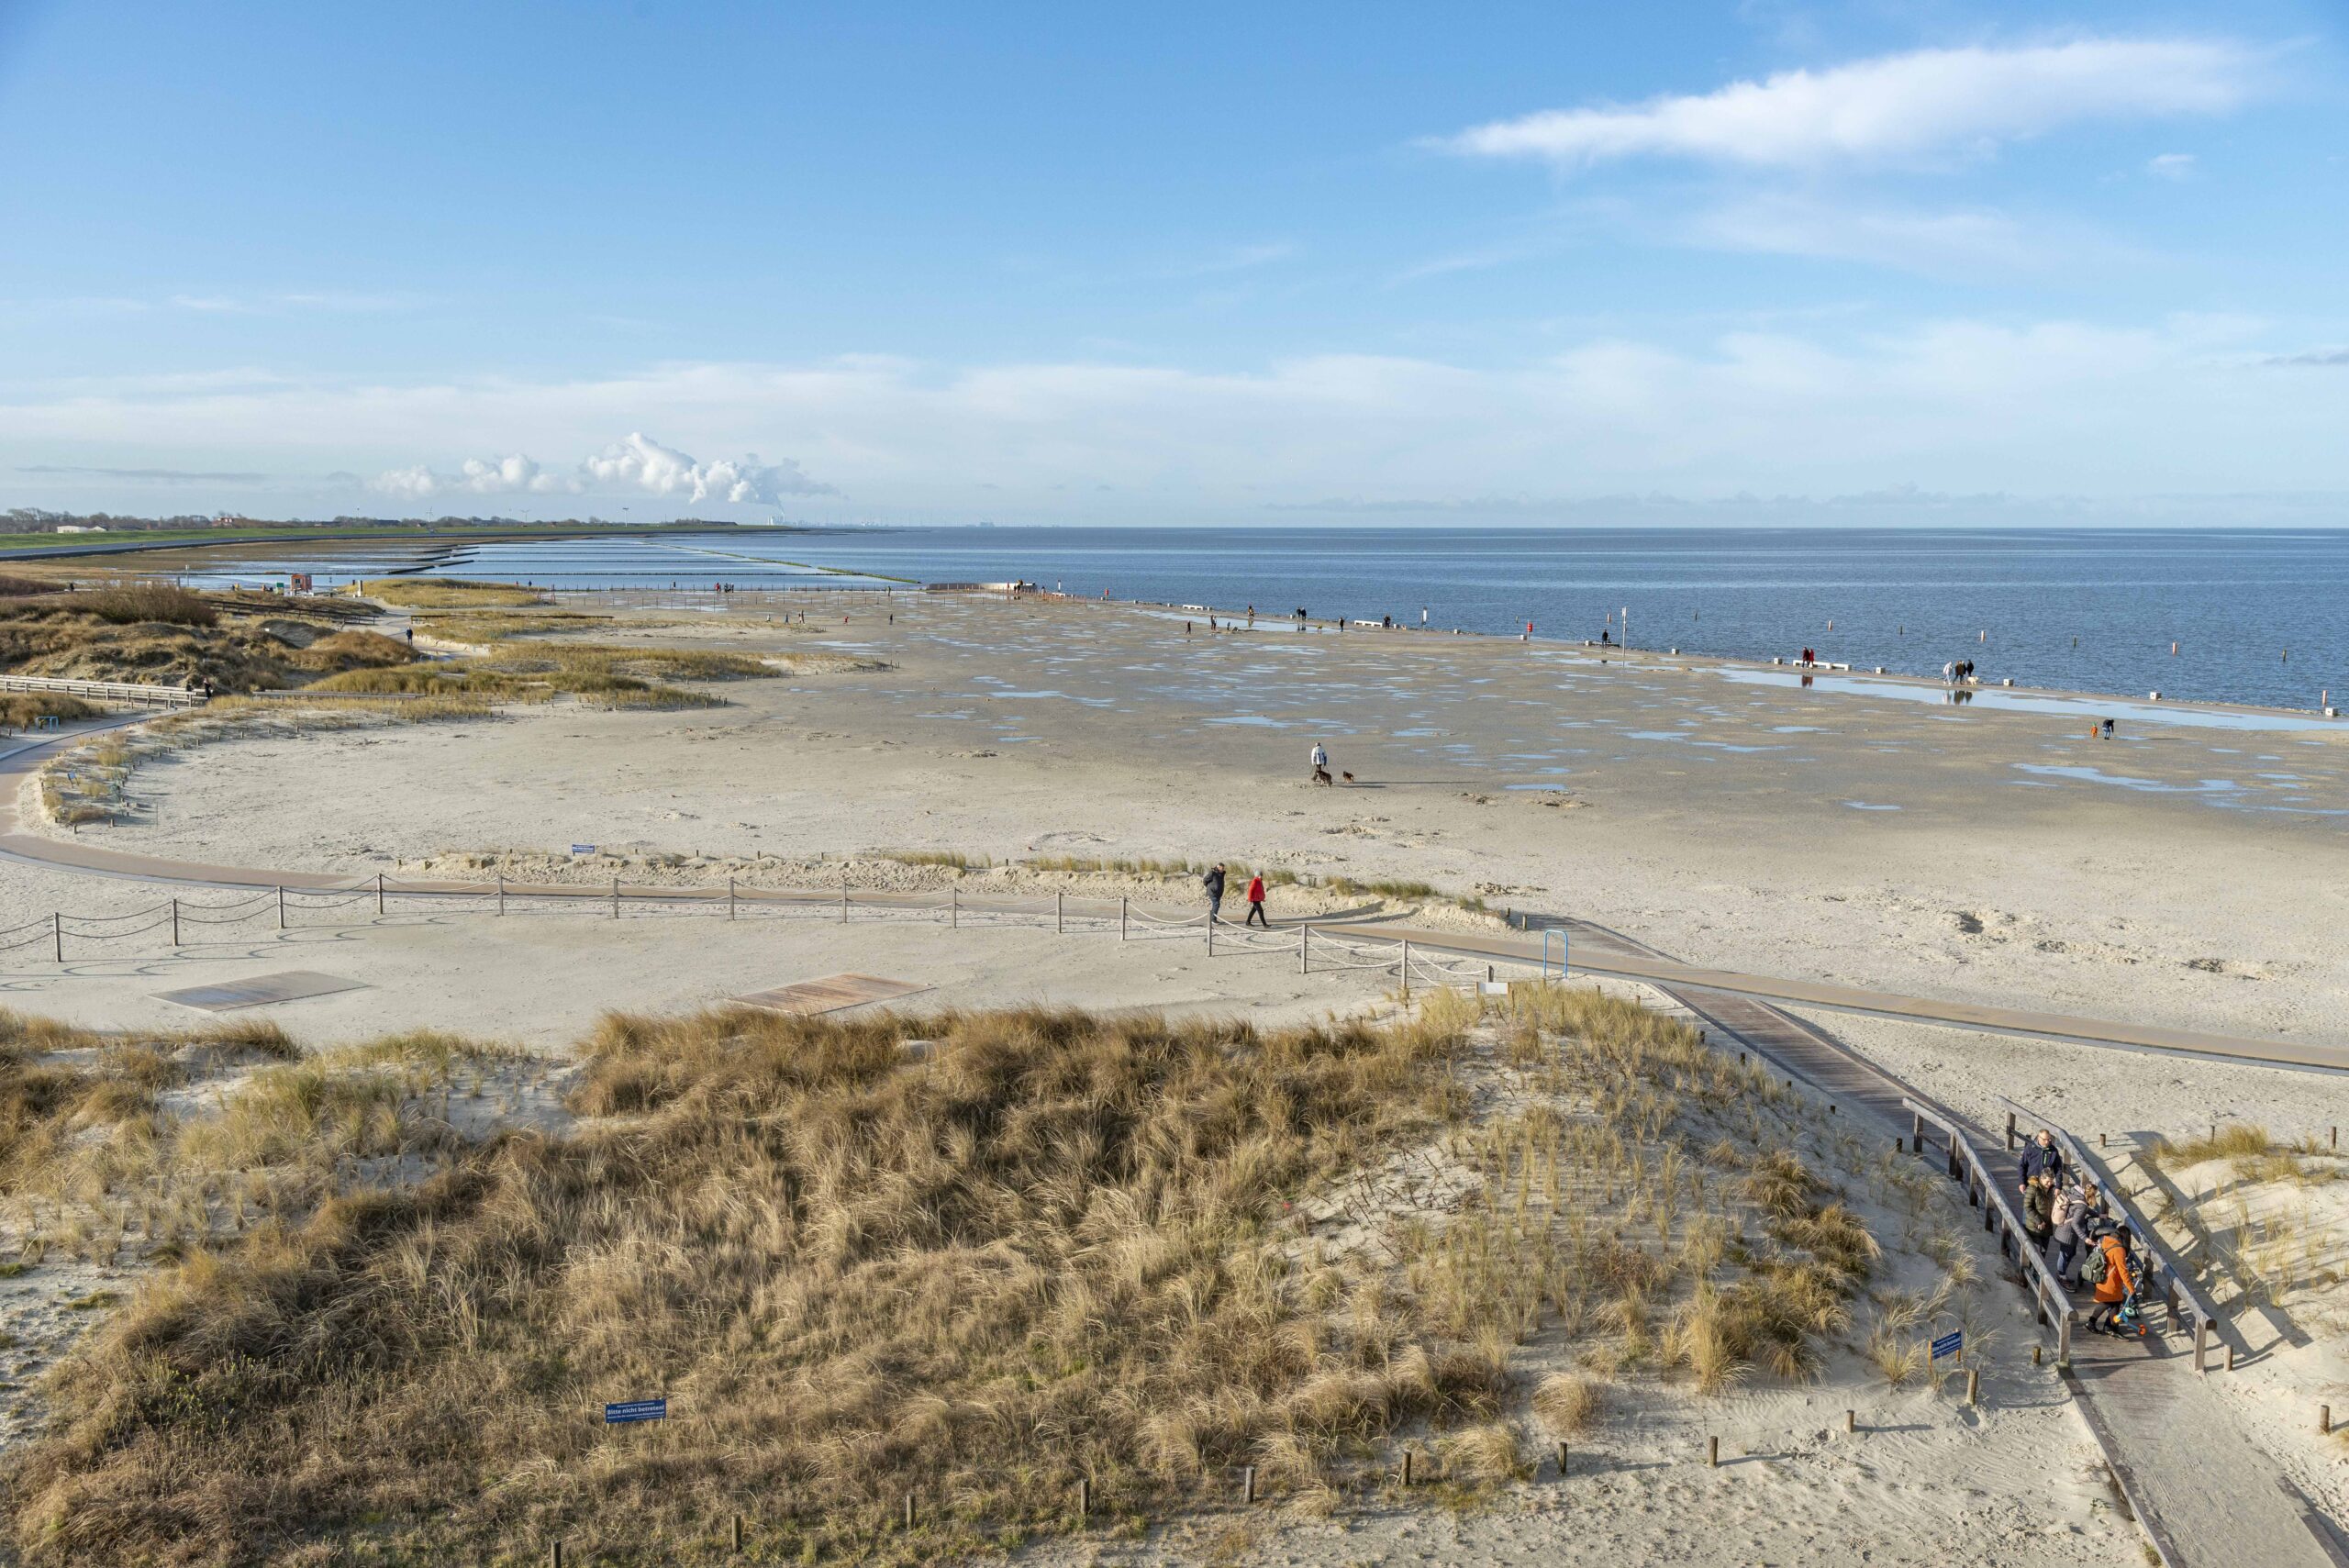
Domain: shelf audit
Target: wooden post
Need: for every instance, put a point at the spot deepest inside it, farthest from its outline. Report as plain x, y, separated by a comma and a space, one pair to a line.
1407, 1467
379, 909
738, 1532
501, 893
1974, 1386
2230, 1358
844, 898
1304, 950
1121, 916
176, 922
2336, 1137
1562, 1459
2099, 1140
2324, 1419
554, 1555
1247, 1483
1210, 931
56, 932
910, 1510
1851, 1422
281, 907
1084, 1499
1407, 969
1917, 1133
1714, 1452
729, 896
615, 899
2011, 1130
1060, 925
2038, 1354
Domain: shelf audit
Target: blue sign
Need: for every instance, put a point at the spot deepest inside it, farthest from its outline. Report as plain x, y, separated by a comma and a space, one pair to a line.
582, 849
1949, 1344
635, 1410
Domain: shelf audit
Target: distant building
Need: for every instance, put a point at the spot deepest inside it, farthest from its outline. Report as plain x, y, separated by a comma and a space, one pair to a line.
80, 528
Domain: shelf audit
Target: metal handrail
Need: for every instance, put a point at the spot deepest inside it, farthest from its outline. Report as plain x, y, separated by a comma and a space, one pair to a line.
2053, 1301
1564, 950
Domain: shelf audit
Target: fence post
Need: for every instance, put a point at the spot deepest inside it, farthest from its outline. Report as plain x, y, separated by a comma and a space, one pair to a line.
2011, 1130
1084, 1499
953, 908
1121, 916
1210, 927
57, 929
1304, 948
615, 899
501, 893
844, 897
738, 1532
1407, 969
1917, 1133
281, 907
379, 909
729, 896
1060, 926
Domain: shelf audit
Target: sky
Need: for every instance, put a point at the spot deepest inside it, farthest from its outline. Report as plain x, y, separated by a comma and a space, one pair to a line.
1770, 262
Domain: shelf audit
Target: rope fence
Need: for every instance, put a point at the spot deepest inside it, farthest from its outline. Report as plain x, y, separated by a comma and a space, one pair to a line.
1316, 951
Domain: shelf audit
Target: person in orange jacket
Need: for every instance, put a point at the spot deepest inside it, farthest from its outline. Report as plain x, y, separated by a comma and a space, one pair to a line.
2114, 1287
1257, 904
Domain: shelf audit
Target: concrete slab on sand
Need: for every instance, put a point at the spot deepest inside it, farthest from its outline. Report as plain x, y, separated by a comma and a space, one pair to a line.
260, 991
830, 993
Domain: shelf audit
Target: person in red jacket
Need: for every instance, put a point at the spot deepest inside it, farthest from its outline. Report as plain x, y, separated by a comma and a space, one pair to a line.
2114, 1287
1257, 904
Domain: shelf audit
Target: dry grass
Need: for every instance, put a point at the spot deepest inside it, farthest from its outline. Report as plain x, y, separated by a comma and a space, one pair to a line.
21, 587
18, 709
449, 593
134, 603
1047, 1252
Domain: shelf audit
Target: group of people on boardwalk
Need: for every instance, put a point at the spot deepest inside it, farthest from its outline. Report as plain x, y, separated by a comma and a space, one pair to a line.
2062, 1219
1958, 671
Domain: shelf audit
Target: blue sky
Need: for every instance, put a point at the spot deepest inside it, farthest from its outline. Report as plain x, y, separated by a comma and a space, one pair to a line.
1877, 262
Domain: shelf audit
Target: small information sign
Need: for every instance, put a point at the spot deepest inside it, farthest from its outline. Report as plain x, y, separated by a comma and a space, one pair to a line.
635, 1410
1949, 1344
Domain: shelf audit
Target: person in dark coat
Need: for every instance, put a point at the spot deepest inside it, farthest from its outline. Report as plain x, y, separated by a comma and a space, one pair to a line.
1213, 883
2040, 1154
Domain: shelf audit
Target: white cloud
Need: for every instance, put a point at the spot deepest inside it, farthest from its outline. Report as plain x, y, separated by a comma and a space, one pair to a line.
2172, 165
639, 465
1963, 406
1898, 108
1963, 242
656, 470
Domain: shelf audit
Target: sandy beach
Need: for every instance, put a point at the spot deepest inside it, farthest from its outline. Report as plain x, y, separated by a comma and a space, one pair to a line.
2184, 874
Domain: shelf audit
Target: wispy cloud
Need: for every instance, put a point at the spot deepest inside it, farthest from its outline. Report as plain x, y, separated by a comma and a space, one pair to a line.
1961, 242
1920, 105
169, 475
1235, 258
2172, 165
2314, 357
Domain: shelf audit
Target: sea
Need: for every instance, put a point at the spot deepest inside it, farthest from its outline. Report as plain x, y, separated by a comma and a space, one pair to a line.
2258, 618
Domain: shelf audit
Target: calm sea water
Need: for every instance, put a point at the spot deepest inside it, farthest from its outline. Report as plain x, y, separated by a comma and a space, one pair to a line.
2257, 617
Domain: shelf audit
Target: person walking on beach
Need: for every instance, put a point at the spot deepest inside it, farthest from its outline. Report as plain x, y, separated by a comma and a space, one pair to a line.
1256, 902
1213, 883
1320, 760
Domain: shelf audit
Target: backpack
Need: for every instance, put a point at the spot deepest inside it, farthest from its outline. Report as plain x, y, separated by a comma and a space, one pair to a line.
2096, 1265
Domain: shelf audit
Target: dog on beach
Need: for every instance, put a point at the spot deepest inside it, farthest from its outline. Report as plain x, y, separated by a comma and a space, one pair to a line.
1348, 777
1321, 775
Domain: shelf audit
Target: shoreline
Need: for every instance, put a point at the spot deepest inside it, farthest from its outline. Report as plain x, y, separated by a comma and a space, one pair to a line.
1671, 658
